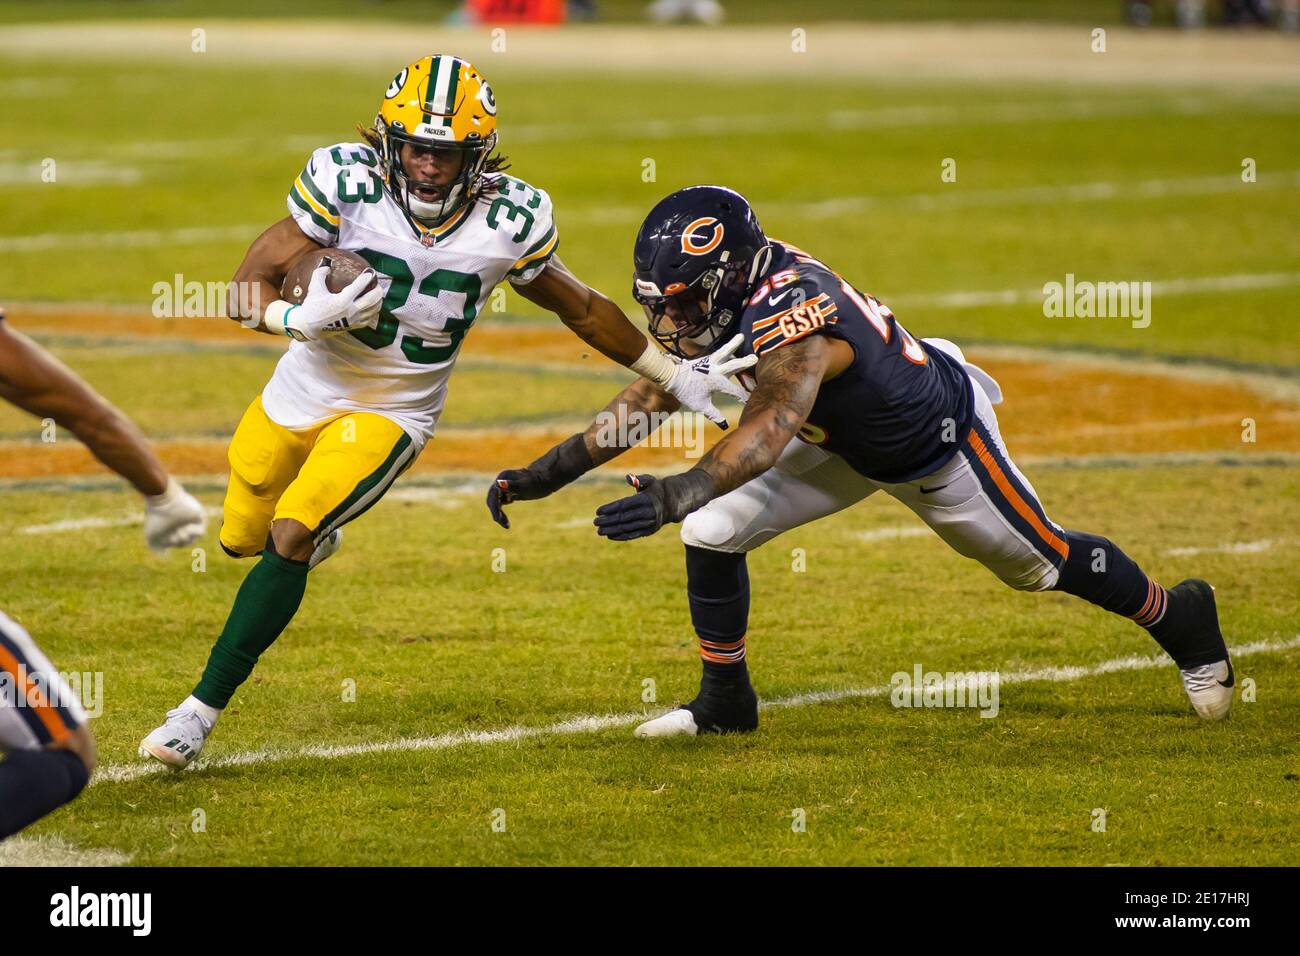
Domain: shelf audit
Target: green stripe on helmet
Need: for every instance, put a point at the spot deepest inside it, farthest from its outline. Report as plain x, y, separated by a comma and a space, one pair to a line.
453, 82
438, 107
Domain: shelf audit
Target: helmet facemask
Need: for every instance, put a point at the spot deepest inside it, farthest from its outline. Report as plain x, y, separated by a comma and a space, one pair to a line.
455, 194
692, 320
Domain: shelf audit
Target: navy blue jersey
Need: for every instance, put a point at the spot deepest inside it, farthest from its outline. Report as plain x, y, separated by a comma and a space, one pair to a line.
900, 410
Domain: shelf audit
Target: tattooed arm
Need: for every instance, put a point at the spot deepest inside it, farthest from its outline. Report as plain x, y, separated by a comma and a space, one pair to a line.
603, 440
788, 380
637, 403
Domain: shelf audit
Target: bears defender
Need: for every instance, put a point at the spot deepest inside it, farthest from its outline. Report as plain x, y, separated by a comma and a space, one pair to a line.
425, 200
43, 728
845, 403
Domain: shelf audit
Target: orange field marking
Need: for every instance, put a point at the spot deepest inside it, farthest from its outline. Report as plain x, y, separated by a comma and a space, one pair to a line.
543, 341
1052, 409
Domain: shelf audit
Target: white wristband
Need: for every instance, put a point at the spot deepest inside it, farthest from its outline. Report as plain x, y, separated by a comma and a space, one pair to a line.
274, 315
167, 495
654, 365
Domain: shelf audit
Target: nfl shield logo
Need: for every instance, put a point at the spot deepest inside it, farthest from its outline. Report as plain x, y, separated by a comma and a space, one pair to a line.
426, 240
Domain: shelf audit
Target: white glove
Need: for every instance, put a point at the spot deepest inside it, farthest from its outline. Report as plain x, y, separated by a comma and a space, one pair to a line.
693, 382
324, 312
173, 519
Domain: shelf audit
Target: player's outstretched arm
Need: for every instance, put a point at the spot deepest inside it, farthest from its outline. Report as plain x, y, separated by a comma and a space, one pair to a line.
788, 380
575, 456
602, 325
37, 382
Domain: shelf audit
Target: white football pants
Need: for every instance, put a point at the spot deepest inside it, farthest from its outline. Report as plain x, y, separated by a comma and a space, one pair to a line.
979, 502
37, 707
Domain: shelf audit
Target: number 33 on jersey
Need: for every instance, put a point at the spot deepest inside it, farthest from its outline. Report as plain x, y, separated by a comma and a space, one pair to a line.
437, 280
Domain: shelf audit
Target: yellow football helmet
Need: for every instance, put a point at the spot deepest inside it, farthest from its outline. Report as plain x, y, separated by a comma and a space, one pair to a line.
439, 101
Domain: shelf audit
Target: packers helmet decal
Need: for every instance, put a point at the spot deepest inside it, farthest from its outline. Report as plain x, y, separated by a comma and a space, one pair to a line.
399, 81
442, 102
488, 100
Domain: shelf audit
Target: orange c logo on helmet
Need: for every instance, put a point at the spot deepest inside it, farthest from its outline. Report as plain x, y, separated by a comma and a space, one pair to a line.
692, 246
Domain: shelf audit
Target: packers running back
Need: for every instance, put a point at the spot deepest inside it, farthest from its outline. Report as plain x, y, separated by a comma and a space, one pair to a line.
425, 200
438, 256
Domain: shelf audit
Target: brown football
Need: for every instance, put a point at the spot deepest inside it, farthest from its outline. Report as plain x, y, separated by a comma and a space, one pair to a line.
344, 267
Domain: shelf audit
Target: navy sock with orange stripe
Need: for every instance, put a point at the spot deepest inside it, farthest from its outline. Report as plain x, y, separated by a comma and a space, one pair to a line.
1099, 572
36, 782
717, 585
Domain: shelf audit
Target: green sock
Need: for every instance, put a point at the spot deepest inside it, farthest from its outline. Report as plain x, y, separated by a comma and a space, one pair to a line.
266, 603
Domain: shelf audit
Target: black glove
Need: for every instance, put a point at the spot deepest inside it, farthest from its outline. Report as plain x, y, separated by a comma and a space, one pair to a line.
559, 466
656, 503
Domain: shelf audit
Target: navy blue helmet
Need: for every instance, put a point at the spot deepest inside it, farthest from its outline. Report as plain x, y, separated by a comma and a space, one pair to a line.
698, 257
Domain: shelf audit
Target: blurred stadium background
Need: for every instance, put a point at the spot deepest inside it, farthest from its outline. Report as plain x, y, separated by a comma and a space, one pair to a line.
146, 143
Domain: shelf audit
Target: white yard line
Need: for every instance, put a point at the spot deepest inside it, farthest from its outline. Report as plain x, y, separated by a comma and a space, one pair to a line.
894, 534
594, 723
883, 117
1165, 425
441, 496
133, 239
83, 524
24, 87
1055, 194
68, 174
961, 198
52, 851
1235, 547
1235, 281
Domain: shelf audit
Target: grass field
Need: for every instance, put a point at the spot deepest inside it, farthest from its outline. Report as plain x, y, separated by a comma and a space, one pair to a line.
479, 691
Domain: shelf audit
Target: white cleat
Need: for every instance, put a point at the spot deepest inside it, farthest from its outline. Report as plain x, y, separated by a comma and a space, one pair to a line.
329, 544
1209, 688
179, 740
675, 723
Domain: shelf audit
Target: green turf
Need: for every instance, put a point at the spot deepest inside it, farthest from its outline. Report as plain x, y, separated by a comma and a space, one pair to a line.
438, 643
225, 164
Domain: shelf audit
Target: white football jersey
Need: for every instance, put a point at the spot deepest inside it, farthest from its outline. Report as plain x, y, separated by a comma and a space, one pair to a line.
436, 283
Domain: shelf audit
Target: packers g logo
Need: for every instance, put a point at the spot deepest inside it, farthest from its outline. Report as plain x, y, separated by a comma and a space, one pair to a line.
488, 100
690, 242
395, 87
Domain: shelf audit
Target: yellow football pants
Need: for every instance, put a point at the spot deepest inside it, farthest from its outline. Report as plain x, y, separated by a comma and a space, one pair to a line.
322, 477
